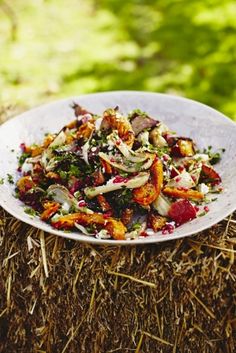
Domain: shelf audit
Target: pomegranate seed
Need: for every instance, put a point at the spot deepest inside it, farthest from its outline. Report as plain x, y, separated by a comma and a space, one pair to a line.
206, 209
23, 147
120, 179
165, 157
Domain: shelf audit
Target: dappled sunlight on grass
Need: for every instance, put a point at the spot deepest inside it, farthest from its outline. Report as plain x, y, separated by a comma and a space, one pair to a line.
73, 47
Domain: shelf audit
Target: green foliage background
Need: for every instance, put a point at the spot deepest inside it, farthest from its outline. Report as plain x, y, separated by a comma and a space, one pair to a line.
62, 48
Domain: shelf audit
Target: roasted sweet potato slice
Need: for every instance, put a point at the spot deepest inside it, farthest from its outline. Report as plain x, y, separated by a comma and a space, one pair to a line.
182, 211
148, 193
36, 150
183, 194
48, 140
157, 175
210, 174
115, 227
156, 222
50, 209
85, 130
111, 120
107, 167
183, 148
145, 195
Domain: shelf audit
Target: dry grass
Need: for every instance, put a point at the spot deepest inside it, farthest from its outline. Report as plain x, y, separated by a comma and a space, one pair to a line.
64, 296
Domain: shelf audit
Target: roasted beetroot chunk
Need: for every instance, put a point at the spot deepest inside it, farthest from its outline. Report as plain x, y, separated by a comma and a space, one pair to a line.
209, 174
182, 211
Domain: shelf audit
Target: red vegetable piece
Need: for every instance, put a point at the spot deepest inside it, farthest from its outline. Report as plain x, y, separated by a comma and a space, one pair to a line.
210, 173
182, 211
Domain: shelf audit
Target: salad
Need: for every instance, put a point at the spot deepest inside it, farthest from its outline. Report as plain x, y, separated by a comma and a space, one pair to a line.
116, 176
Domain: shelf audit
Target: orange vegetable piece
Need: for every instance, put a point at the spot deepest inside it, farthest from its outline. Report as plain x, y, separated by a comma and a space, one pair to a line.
85, 130
115, 227
53, 175
145, 195
36, 150
183, 194
121, 124
25, 183
50, 209
48, 140
107, 167
148, 193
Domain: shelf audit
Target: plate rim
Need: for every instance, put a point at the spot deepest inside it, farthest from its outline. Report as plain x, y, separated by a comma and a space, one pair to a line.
92, 240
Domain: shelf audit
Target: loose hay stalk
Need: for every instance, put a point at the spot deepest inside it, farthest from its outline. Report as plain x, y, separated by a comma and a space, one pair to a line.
173, 297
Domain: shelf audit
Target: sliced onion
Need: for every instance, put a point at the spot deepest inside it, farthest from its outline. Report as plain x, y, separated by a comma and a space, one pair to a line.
83, 229
112, 185
129, 169
162, 205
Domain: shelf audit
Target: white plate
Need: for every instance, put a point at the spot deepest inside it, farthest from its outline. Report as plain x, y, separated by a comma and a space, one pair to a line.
188, 118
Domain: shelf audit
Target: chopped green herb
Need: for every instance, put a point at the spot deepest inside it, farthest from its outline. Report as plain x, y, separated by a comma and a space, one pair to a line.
30, 211
22, 158
1, 181
10, 179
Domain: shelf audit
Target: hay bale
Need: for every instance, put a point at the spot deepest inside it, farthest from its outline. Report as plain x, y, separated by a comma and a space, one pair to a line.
64, 296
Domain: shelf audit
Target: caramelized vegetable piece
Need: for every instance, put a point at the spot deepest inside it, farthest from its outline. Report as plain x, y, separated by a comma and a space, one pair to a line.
104, 204
115, 227
36, 150
98, 177
141, 122
183, 194
25, 183
50, 209
145, 195
85, 130
149, 192
53, 176
183, 148
127, 215
157, 175
107, 167
209, 172
48, 140
156, 222
112, 120
182, 211
78, 110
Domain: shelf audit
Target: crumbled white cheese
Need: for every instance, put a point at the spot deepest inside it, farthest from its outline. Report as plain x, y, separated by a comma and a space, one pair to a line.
203, 188
103, 234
